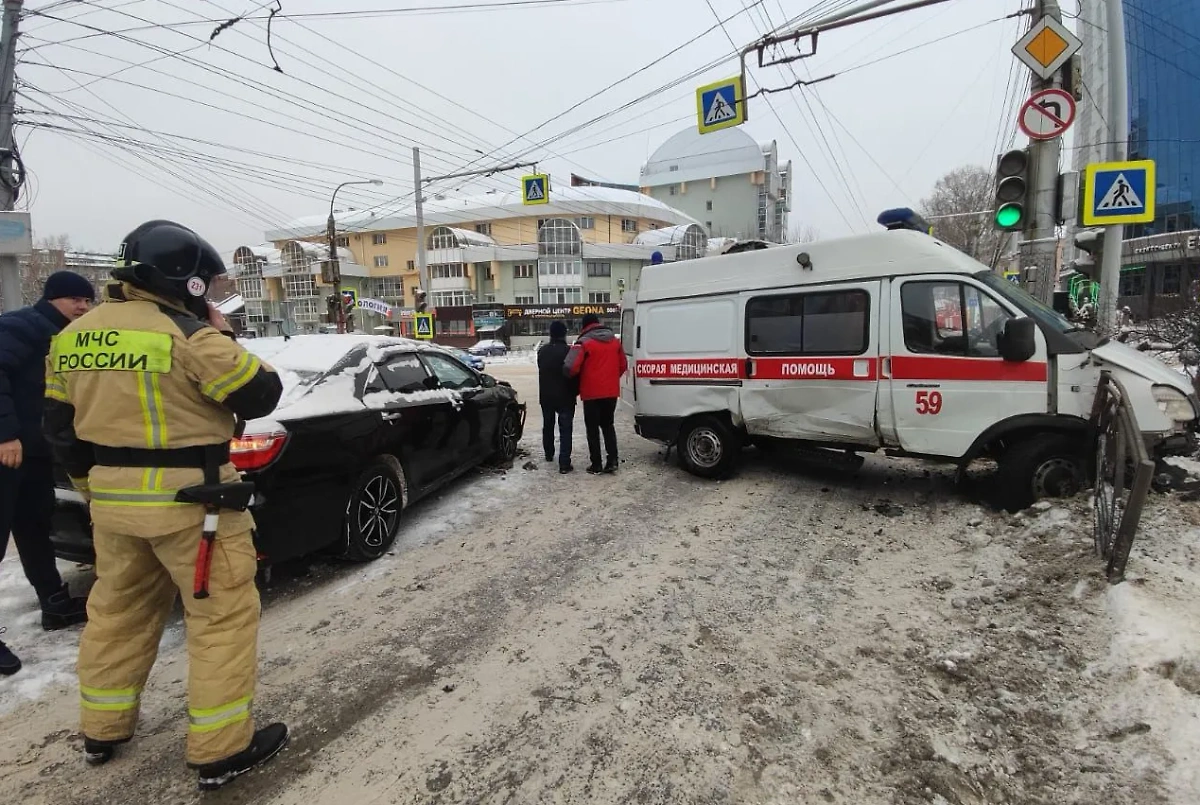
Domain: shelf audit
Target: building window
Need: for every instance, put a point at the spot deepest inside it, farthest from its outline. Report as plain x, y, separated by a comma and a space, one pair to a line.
389, 289
379, 238
343, 242
629, 225
558, 268
450, 298
443, 238
523, 271
381, 261
599, 297
484, 228
483, 270
524, 299
561, 296
599, 269
827, 323
1171, 279
950, 318
1133, 283
708, 205
412, 265
586, 222
444, 271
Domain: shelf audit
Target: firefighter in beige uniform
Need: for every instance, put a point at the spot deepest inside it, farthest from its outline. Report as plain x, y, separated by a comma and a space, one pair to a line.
142, 394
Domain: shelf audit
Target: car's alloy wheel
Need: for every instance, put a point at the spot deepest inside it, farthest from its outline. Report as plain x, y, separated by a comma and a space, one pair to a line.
373, 511
508, 437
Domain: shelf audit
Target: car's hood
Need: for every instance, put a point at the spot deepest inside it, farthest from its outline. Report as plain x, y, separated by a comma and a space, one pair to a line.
1126, 357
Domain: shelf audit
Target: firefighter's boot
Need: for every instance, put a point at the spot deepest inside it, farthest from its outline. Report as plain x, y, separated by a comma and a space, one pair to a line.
266, 743
97, 753
60, 610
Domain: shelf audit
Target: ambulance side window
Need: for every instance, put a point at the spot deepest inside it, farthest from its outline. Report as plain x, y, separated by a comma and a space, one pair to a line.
824, 323
950, 318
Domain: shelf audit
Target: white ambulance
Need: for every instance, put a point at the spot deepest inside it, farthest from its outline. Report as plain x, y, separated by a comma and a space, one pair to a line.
890, 341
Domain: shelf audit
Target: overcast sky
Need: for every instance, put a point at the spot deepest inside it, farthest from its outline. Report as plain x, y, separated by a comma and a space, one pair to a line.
357, 93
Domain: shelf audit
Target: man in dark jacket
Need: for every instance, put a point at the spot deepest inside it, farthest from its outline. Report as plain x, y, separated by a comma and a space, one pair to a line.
598, 360
26, 467
557, 394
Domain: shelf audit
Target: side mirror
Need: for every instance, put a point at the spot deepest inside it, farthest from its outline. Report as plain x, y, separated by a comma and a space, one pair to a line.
1018, 341
488, 381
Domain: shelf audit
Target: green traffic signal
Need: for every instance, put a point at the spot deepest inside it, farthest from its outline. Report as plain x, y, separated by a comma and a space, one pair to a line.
1009, 215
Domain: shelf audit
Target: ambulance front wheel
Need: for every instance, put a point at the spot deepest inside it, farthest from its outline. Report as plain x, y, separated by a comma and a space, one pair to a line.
1044, 466
708, 447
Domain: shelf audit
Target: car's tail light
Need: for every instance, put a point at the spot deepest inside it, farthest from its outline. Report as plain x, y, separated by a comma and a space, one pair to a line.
256, 450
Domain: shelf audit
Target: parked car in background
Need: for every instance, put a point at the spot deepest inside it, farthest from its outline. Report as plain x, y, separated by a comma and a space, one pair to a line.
489, 347
367, 426
474, 361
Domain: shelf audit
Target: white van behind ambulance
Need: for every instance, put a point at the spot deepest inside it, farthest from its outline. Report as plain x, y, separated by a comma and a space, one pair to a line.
890, 341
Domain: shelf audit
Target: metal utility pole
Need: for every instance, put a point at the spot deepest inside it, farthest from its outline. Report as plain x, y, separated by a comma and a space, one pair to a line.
334, 274
422, 269
10, 269
1039, 245
1118, 119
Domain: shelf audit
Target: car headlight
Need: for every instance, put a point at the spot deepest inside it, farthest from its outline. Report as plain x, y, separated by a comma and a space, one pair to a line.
1174, 404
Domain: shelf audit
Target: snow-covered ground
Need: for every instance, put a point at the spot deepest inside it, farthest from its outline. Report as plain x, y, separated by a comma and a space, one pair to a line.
791, 635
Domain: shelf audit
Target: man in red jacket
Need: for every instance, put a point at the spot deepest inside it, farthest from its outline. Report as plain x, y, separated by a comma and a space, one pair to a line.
598, 360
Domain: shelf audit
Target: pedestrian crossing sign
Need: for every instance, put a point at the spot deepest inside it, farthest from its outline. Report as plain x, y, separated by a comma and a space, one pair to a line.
1118, 193
535, 189
423, 326
721, 105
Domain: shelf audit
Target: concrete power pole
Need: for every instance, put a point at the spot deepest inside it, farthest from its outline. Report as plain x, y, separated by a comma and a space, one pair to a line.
10, 269
1118, 119
1039, 246
422, 269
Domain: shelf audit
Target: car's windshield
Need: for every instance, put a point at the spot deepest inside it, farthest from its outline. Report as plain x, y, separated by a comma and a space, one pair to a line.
1028, 304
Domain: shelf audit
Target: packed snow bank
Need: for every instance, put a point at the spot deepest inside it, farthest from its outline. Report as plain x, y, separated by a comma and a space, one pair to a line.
1155, 651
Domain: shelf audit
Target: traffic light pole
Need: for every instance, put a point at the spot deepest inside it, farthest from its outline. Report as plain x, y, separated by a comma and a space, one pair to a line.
1118, 119
1039, 245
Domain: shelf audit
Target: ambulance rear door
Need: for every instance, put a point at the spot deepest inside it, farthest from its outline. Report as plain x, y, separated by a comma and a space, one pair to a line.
812, 363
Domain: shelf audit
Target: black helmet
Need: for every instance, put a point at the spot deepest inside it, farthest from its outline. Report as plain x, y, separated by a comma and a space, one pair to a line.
169, 259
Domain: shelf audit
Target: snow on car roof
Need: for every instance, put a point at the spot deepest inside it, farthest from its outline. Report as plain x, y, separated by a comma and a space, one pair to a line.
318, 353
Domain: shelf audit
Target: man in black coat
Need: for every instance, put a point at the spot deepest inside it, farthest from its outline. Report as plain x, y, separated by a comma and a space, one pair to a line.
557, 394
26, 467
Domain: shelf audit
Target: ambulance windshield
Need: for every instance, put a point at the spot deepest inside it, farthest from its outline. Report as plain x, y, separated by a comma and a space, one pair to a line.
1040, 312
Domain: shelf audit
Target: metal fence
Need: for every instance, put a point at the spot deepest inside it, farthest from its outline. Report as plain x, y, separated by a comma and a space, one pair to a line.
1123, 473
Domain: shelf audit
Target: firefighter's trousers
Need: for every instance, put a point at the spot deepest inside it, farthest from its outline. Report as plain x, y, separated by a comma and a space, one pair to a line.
137, 580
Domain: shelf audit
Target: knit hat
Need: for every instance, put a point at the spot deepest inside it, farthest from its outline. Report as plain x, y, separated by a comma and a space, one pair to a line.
558, 330
62, 284
590, 319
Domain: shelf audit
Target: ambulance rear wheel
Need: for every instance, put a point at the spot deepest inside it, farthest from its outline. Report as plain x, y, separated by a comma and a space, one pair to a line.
708, 447
1044, 466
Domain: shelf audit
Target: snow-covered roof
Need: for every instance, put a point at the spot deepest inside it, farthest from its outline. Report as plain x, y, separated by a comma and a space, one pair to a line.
690, 156
468, 237
662, 237
565, 201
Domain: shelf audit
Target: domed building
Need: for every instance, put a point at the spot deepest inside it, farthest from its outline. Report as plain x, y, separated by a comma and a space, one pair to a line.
725, 180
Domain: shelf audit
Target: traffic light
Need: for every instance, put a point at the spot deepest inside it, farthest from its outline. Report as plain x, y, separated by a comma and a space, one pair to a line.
1012, 190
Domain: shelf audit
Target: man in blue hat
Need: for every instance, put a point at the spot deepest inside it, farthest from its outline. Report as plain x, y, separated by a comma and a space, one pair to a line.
26, 466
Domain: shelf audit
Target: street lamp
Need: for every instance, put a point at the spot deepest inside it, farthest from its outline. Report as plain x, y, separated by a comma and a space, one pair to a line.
334, 274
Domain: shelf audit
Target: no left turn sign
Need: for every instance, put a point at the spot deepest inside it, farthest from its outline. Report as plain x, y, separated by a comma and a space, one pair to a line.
1047, 114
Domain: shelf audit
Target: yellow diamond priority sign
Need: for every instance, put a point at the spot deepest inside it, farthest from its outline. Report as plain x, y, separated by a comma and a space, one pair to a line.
1046, 47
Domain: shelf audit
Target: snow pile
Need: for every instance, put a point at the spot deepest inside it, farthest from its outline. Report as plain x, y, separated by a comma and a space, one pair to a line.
1155, 652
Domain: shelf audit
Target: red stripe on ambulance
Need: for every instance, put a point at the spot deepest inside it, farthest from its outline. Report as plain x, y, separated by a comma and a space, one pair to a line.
910, 367
814, 369
701, 369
